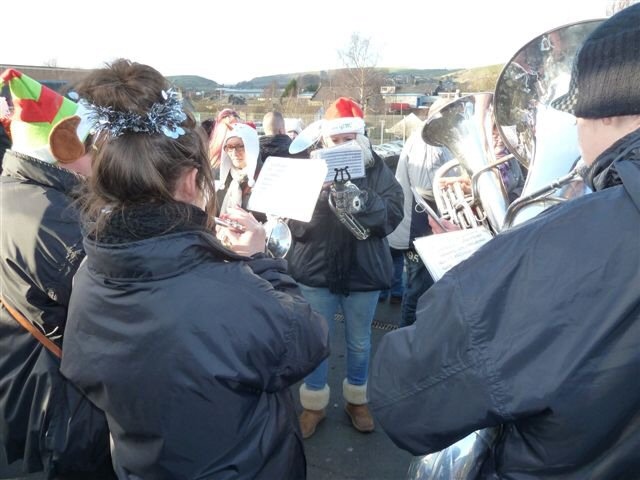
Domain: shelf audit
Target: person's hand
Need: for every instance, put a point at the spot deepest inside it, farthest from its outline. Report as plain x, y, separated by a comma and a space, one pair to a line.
448, 226
248, 242
464, 182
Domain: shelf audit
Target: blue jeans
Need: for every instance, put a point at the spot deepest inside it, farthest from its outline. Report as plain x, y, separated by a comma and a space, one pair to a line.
358, 310
397, 285
418, 281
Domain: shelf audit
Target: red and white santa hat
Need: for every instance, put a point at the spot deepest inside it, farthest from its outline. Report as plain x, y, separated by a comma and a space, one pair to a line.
343, 116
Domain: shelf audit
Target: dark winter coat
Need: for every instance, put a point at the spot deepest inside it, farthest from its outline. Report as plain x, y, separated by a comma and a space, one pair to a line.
372, 267
44, 421
192, 353
274, 146
537, 331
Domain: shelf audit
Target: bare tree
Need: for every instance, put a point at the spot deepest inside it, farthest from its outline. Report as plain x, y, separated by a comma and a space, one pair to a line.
614, 6
361, 75
270, 92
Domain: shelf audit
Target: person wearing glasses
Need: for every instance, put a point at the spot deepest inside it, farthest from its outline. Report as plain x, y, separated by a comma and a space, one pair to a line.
223, 123
239, 166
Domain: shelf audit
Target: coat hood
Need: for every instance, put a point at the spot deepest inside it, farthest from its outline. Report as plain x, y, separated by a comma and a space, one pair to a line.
249, 137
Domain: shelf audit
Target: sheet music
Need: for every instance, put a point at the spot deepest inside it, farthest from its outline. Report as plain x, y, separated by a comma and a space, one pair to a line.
345, 155
288, 187
442, 251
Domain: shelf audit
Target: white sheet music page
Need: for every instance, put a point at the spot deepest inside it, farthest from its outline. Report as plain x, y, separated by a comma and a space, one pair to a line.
344, 155
442, 251
288, 187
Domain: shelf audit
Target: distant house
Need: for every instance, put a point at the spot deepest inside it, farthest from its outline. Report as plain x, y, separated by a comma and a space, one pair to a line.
408, 100
53, 77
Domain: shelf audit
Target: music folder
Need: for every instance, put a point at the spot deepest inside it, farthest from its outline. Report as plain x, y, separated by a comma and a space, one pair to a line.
347, 154
288, 187
442, 251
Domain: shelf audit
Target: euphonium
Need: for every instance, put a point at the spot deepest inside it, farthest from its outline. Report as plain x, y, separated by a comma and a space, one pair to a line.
465, 127
345, 199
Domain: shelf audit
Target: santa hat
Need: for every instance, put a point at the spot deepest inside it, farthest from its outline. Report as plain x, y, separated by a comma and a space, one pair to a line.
343, 116
37, 111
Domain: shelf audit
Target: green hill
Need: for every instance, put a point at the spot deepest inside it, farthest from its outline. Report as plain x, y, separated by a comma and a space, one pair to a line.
475, 79
193, 83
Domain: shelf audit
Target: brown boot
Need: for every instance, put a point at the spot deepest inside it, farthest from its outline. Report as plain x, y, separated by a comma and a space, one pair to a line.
309, 420
360, 417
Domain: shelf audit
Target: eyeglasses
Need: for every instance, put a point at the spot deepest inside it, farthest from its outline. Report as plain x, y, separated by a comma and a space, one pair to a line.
237, 148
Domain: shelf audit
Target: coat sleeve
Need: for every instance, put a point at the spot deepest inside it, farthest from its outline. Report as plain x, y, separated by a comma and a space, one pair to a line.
304, 230
305, 333
384, 206
431, 383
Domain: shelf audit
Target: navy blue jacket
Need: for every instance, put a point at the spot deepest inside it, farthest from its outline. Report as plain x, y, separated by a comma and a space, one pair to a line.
45, 422
192, 354
537, 331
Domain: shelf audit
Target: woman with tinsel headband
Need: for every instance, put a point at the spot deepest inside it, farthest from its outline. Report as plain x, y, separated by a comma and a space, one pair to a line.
188, 347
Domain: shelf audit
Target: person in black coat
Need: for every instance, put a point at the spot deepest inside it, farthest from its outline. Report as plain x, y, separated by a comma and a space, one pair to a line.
46, 424
537, 332
275, 142
338, 268
188, 346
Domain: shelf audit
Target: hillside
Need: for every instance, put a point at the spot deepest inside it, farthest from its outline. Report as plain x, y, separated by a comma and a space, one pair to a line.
193, 83
475, 79
481, 79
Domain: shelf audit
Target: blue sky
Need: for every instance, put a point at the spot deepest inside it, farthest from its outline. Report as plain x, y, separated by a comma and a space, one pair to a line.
234, 41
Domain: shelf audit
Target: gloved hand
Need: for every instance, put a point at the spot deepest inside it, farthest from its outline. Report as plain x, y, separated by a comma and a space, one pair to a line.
347, 197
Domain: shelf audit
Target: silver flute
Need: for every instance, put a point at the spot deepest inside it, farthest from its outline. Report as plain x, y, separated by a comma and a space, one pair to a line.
230, 224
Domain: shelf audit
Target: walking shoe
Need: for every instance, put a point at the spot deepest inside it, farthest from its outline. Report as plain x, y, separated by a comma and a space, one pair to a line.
360, 417
309, 420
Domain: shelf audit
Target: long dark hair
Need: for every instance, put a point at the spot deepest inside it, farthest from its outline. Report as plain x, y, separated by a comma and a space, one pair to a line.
135, 167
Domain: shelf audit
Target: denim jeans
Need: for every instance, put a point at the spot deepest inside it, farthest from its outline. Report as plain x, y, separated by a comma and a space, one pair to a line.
397, 285
358, 310
418, 281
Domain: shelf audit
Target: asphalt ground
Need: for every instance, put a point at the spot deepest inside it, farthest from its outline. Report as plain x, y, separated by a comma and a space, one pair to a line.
339, 452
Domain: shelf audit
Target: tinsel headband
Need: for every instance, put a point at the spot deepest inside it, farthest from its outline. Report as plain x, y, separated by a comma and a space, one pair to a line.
163, 117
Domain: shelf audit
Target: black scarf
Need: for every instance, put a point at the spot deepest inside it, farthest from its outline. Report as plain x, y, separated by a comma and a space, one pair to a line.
148, 220
603, 172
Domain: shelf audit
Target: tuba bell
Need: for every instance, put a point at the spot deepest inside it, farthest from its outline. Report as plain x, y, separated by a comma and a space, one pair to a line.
465, 126
543, 139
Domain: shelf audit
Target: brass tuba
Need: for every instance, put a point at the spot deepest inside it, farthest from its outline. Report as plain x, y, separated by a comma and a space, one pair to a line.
543, 139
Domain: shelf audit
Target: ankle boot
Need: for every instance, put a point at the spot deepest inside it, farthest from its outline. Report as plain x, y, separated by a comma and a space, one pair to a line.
314, 404
309, 420
361, 419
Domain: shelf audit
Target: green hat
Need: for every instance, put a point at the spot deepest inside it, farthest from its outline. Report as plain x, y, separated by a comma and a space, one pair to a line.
37, 109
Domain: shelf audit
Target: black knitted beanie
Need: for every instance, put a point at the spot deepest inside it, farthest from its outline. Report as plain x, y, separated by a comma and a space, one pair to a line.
605, 81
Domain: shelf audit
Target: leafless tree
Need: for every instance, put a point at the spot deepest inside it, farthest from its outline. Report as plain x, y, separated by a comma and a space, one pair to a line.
614, 6
270, 92
360, 74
